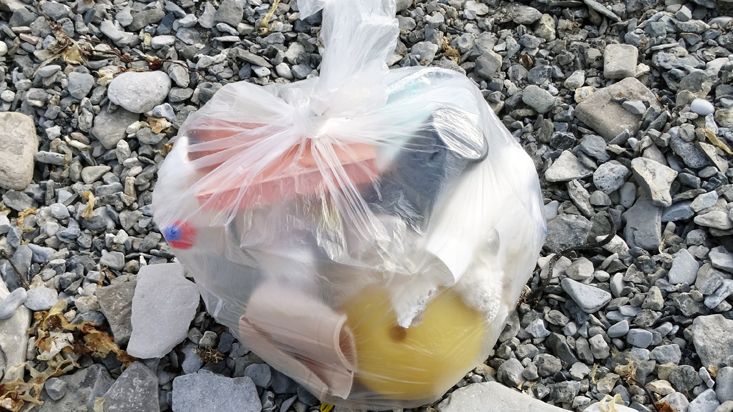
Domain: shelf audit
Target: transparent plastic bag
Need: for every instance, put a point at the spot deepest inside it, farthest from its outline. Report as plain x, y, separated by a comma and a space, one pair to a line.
365, 232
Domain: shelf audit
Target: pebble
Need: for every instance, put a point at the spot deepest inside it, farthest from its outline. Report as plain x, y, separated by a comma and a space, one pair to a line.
55, 388
589, 298
643, 225
192, 393
80, 84
18, 150
538, 99
655, 178
721, 259
41, 298
618, 329
567, 167
91, 174
702, 107
139, 92
109, 127
521, 14
610, 176
158, 325
684, 268
639, 338
667, 354
619, 61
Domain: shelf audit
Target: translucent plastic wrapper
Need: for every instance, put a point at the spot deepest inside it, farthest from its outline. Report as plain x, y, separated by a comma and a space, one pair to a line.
365, 232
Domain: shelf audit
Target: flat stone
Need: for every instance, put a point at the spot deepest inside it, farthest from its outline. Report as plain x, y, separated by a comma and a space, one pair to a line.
618, 329
83, 387
537, 98
205, 391
589, 298
667, 354
18, 147
604, 114
91, 174
139, 92
566, 167
643, 225
109, 127
158, 325
656, 178
721, 259
135, 390
684, 268
639, 338
720, 294
704, 201
55, 388
678, 211
716, 219
713, 339
116, 303
492, 397
488, 64
619, 61
610, 176
13, 340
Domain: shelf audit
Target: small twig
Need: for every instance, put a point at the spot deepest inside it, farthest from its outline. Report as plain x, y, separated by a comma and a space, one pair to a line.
266, 20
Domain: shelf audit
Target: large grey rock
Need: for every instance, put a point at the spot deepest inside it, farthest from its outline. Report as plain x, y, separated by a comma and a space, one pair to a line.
13, 340
205, 391
135, 390
589, 298
109, 127
492, 397
18, 147
83, 387
116, 303
604, 114
158, 324
684, 268
643, 225
41, 298
656, 178
522, 14
713, 339
566, 167
619, 61
139, 92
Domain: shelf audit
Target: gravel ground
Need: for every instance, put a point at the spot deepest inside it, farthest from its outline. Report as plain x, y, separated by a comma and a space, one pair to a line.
626, 108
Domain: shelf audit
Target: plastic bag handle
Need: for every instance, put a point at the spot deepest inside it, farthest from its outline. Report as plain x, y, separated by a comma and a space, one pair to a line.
358, 37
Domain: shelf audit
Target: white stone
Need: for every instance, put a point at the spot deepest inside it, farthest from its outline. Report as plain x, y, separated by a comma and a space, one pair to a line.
18, 147
492, 397
139, 92
702, 107
163, 306
14, 340
656, 178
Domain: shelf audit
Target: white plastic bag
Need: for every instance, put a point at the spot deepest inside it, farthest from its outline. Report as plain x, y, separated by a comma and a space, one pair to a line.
365, 232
